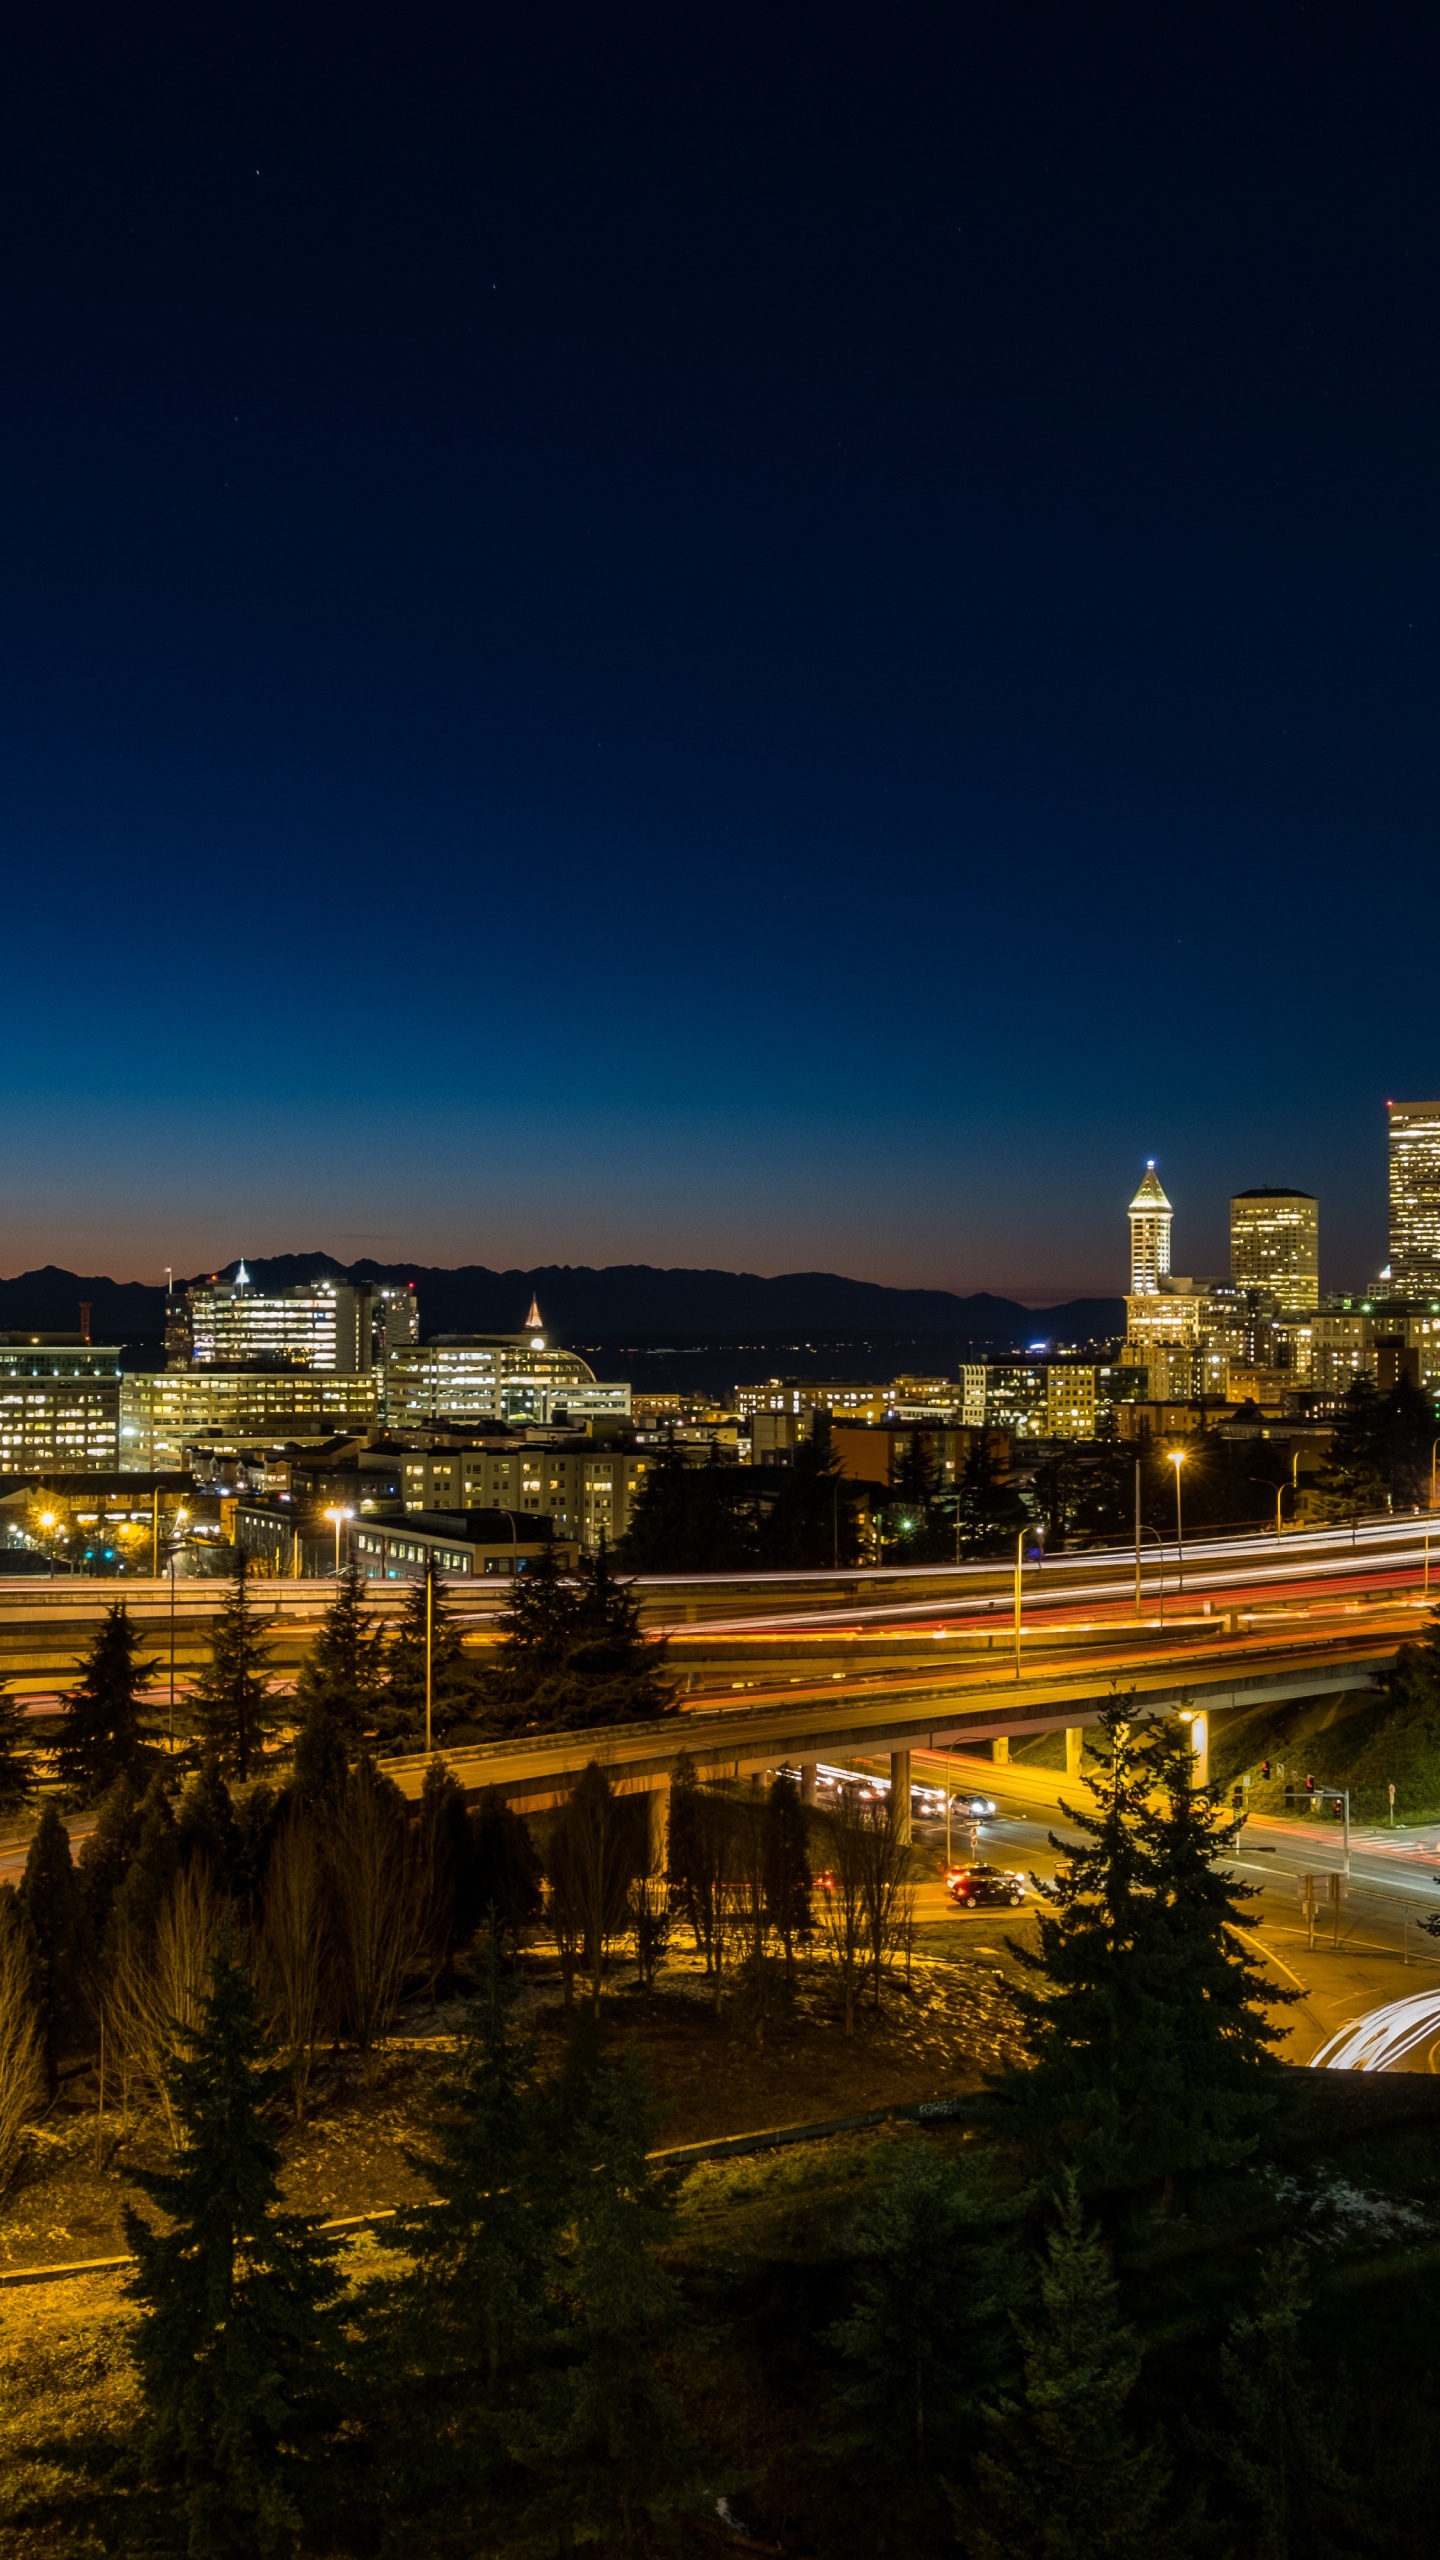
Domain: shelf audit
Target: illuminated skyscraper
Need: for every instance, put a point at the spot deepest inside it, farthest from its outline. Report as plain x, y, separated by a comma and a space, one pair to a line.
1150, 1216
1414, 1197
1275, 1247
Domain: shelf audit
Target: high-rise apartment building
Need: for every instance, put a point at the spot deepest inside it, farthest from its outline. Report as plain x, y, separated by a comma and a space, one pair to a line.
1150, 1216
1275, 1247
322, 1324
1414, 1198
59, 1404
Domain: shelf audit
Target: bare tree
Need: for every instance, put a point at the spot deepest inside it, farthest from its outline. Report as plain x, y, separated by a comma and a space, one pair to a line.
650, 1920
292, 1949
884, 1887
842, 1898
594, 1860
373, 1903
22, 2053
157, 1991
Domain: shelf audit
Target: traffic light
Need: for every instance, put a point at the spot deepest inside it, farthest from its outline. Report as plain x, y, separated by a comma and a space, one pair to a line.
1264, 1768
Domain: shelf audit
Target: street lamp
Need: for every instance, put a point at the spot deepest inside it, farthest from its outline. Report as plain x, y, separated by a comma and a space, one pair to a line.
1177, 1461
339, 1518
1019, 1569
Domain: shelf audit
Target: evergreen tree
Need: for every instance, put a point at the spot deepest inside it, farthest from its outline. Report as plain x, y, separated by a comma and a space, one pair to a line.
1061, 2476
812, 1521
612, 2464
239, 2342
1145, 2024
321, 1763
1218, 1991
690, 1519
465, 2325
16, 1782
1352, 1480
785, 1851
443, 1853
344, 1670
205, 1825
145, 1887
106, 1855
505, 1875
917, 1528
927, 2337
54, 1908
100, 1737
1277, 2455
234, 1710
452, 1675
573, 1654
990, 1514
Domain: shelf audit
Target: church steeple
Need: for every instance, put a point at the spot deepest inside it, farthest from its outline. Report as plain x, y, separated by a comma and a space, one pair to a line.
1150, 1216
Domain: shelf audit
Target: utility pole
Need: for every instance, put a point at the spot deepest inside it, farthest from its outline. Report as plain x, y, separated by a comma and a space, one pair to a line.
429, 1647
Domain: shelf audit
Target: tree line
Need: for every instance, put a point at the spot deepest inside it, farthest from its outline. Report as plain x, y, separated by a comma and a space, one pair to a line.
985, 2360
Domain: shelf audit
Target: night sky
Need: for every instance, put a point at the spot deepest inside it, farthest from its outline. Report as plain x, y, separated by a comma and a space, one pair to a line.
780, 637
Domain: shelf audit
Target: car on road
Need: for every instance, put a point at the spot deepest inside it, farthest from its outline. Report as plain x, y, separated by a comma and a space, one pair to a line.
977, 1888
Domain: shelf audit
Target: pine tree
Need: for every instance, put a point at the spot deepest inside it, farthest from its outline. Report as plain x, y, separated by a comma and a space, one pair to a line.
344, 1670
54, 1908
1352, 1480
1218, 1991
505, 1875
16, 1783
989, 1513
1278, 2454
934, 2286
1061, 2476
465, 2323
785, 1851
321, 1763
146, 1884
1104, 2078
106, 1855
1146, 2025
812, 1521
452, 1674
917, 1528
238, 2343
611, 2462
690, 1519
443, 1852
100, 1737
234, 1709
205, 1825
573, 1653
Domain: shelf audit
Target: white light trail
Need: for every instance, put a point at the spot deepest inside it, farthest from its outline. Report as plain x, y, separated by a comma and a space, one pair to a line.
1386, 2036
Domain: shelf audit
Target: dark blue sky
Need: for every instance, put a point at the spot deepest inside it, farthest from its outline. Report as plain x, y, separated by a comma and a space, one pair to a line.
770, 636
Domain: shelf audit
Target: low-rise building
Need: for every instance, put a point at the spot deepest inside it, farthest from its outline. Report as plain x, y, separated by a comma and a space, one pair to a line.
164, 1412
586, 1488
470, 1544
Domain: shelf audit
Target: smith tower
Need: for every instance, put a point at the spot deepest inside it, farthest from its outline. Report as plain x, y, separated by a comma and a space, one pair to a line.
1150, 1216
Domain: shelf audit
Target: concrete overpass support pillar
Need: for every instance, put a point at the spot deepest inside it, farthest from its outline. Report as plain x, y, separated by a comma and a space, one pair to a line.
1000, 1750
1200, 1745
900, 1794
657, 1811
809, 1774
1074, 1745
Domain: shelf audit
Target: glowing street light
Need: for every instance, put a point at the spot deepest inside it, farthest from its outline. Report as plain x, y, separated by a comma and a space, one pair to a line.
339, 1517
